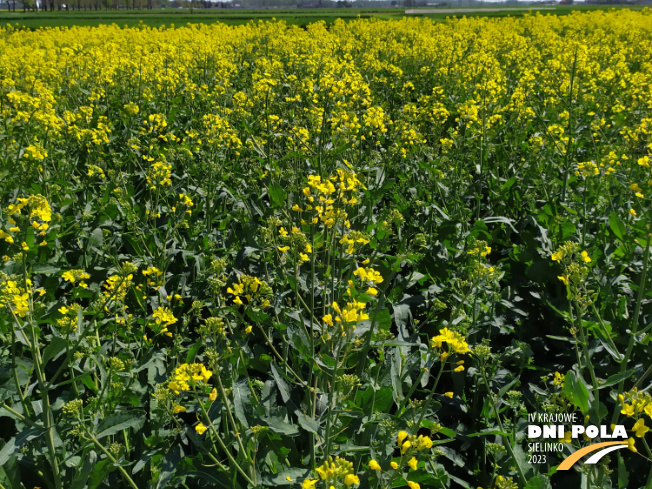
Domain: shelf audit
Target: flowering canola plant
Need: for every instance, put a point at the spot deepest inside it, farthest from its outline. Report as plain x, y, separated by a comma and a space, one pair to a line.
345, 255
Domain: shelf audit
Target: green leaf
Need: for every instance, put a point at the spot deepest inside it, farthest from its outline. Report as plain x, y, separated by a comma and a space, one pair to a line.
281, 426
87, 467
488, 431
10, 474
17, 442
56, 347
508, 184
97, 238
168, 466
289, 477
118, 422
623, 473
45, 268
307, 423
277, 195
241, 395
616, 378
100, 471
605, 339
446, 432
192, 353
617, 226
283, 386
538, 482
576, 392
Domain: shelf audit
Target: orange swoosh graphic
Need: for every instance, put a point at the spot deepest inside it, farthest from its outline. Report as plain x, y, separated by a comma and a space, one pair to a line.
568, 463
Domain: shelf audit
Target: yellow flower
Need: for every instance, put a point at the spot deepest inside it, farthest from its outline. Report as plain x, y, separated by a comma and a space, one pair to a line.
412, 463
373, 465
164, 316
585, 257
402, 435
632, 212
634, 187
423, 443
283, 249
628, 410
248, 329
648, 409
394, 465
309, 483
213, 395
351, 479
179, 409
630, 445
563, 278
640, 429
372, 291
448, 394
200, 428
405, 447
413, 485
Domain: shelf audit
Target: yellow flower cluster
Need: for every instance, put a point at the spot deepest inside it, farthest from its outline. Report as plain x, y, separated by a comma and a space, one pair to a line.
296, 241
256, 291
346, 318
587, 169
159, 173
323, 194
410, 443
634, 404
332, 472
353, 241
574, 261
36, 152
73, 276
481, 249
154, 276
568, 252
94, 169
188, 375
455, 341
40, 214
68, 323
13, 296
163, 318
116, 287
368, 275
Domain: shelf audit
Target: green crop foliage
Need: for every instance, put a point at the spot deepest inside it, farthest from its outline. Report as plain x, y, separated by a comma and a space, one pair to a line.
355, 254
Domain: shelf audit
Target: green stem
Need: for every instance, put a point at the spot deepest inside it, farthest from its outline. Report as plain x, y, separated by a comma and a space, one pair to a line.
521, 474
589, 365
222, 445
232, 420
124, 473
424, 409
637, 313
